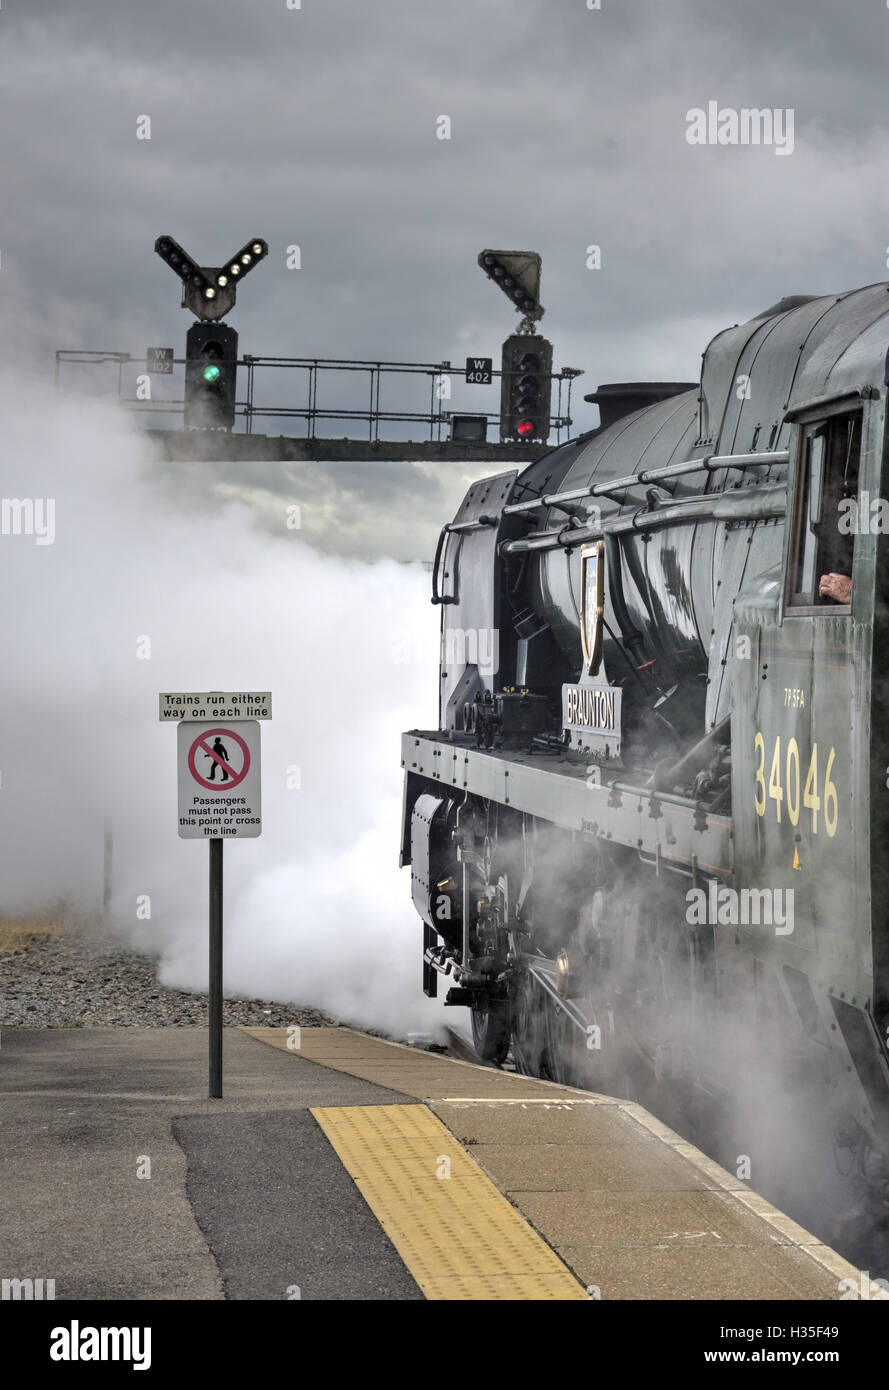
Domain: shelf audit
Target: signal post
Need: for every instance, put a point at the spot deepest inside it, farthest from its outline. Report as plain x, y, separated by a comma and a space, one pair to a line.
211, 346
527, 358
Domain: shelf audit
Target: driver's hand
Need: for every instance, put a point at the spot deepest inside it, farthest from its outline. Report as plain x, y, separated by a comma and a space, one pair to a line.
836, 586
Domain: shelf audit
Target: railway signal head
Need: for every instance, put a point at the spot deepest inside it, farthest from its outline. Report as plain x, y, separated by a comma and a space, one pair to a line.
518, 275
526, 388
211, 372
209, 291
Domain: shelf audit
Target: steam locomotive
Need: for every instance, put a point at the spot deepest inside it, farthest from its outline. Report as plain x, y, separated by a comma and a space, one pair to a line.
654, 818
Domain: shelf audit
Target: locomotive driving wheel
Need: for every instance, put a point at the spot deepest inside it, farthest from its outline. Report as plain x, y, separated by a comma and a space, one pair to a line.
528, 1032
490, 1030
561, 1045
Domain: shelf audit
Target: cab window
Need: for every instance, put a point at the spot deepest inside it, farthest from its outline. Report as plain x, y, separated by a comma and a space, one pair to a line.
822, 542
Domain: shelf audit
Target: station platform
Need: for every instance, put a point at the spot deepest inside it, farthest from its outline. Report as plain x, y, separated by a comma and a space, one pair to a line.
342, 1166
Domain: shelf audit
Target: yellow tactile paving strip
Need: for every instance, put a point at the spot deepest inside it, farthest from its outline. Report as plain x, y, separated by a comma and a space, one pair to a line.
459, 1237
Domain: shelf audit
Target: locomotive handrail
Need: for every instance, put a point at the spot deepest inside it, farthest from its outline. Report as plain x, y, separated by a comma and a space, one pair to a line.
669, 798
436, 596
478, 524
769, 499
710, 463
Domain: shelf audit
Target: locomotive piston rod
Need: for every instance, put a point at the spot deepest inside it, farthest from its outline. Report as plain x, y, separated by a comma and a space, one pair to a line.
544, 978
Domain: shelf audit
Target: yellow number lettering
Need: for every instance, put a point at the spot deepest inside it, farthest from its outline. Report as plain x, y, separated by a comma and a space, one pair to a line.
776, 792
830, 796
792, 779
811, 799
775, 789
759, 791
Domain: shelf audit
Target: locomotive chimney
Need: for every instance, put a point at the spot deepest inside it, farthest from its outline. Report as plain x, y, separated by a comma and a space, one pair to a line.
618, 398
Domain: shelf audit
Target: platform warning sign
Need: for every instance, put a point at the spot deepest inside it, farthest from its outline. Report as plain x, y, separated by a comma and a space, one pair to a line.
219, 780
199, 705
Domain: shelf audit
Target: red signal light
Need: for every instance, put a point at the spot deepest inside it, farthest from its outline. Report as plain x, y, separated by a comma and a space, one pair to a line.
525, 427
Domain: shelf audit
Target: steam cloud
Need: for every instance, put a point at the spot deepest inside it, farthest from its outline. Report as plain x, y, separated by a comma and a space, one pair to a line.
316, 909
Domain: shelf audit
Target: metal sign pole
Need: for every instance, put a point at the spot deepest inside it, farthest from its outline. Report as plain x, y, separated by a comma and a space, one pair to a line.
106, 873
215, 1001
217, 749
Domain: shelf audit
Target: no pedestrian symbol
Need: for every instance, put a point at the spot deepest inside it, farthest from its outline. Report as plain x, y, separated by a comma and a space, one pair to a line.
214, 747
219, 779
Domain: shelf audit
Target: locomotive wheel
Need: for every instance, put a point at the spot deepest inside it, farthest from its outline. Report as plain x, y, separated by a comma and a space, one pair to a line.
561, 1041
490, 1031
528, 1038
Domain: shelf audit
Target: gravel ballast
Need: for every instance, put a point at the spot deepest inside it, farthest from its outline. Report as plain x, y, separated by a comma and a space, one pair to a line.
92, 981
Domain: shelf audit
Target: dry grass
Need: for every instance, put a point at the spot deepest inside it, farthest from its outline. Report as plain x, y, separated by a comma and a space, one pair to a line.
20, 930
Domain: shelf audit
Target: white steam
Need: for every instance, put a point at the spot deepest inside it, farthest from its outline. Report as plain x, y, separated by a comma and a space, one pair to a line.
316, 909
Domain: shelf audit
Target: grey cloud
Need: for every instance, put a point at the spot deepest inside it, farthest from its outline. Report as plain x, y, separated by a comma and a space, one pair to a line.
316, 127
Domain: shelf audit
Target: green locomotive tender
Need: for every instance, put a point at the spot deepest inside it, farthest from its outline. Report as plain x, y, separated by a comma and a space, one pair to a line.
653, 820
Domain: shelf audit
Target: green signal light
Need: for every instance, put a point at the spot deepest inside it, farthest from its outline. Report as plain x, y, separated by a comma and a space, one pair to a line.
211, 373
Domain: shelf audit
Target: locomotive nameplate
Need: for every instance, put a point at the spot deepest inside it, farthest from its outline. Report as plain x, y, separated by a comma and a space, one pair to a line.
592, 709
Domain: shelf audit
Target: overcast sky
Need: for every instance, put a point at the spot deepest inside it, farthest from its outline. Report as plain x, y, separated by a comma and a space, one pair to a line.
317, 126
